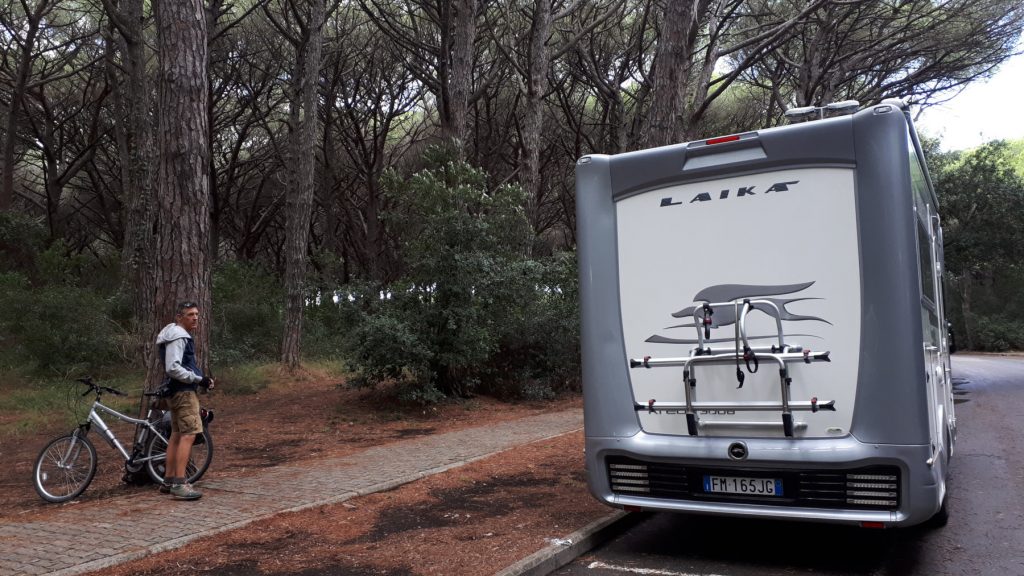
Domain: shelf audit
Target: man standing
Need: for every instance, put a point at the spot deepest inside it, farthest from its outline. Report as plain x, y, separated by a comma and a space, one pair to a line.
182, 376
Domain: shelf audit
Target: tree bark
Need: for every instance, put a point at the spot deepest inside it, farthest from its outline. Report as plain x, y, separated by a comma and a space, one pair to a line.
967, 343
672, 64
299, 202
59, 172
461, 78
138, 254
17, 102
183, 186
533, 114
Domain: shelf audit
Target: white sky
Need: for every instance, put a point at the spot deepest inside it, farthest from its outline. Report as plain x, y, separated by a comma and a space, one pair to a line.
985, 110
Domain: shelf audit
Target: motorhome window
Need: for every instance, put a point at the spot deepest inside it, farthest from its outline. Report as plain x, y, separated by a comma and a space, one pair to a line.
922, 196
926, 267
930, 326
942, 289
918, 182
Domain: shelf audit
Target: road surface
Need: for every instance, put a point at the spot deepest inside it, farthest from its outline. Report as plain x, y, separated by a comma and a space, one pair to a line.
985, 534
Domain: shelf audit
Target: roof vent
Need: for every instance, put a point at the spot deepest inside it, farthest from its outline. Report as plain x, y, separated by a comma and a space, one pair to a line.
843, 108
807, 113
803, 114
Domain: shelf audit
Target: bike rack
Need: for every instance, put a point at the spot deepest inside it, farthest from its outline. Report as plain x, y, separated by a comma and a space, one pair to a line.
780, 353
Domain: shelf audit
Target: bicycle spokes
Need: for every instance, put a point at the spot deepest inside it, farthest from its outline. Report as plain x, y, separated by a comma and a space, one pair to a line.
64, 468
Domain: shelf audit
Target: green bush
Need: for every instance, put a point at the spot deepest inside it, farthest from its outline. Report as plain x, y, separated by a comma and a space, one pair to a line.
246, 378
539, 355
56, 330
247, 319
997, 334
388, 347
472, 309
21, 239
325, 327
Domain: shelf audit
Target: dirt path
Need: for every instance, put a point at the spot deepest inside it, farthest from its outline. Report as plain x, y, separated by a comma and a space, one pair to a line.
471, 519
294, 420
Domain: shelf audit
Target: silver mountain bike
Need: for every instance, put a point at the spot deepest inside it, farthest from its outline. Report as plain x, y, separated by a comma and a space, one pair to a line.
67, 465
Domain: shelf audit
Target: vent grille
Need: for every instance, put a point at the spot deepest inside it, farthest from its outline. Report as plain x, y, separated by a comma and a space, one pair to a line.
628, 476
880, 489
869, 488
874, 488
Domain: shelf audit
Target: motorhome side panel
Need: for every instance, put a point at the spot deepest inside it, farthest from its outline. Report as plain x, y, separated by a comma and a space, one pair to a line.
891, 406
608, 409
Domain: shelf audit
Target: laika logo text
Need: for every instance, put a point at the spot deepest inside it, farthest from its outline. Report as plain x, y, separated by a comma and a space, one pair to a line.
729, 193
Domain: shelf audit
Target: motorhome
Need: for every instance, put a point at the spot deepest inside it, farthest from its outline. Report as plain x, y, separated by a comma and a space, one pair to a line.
762, 324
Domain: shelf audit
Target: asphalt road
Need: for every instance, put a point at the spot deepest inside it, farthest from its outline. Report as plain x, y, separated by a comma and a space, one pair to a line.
985, 534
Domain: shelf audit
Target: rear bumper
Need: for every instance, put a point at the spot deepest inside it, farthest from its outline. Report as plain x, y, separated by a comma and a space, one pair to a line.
919, 486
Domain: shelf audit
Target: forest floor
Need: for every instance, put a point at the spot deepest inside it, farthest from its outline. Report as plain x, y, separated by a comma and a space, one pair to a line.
474, 519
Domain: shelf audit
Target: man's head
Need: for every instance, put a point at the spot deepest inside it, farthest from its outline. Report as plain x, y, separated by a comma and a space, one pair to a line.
187, 315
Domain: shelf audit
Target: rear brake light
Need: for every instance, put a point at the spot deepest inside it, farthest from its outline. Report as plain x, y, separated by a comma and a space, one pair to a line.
872, 525
722, 140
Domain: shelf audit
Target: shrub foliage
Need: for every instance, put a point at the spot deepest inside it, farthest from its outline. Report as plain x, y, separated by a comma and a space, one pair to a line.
471, 307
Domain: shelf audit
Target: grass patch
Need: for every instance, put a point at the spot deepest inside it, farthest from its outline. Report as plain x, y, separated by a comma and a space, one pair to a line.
330, 368
27, 405
26, 409
243, 379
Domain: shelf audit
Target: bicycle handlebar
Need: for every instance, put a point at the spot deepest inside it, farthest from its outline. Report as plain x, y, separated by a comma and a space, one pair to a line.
97, 388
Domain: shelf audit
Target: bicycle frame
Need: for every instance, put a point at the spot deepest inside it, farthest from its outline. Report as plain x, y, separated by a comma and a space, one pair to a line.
108, 434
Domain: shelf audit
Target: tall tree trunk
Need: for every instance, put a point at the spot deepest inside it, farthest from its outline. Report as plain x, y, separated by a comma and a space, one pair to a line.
374, 232
138, 254
57, 171
17, 100
967, 343
693, 111
678, 34
331, 201
461, 76
533, 115
183, 186
53, 185
299, 203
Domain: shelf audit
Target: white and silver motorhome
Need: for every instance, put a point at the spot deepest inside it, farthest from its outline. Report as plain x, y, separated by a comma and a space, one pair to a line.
762, 325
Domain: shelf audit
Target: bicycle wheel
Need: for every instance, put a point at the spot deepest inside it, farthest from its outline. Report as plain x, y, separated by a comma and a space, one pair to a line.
64, 468
199, 459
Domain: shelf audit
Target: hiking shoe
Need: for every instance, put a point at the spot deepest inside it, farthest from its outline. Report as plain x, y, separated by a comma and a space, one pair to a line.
185, 492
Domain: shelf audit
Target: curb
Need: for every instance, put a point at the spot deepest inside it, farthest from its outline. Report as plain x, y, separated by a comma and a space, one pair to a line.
547, 560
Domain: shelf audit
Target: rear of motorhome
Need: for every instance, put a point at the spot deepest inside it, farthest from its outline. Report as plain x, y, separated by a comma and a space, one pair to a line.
762, 324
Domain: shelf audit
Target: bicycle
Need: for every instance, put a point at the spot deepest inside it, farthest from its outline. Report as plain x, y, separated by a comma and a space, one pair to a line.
67, 465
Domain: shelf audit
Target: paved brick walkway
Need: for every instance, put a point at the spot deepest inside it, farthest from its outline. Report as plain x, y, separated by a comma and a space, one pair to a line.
74, 540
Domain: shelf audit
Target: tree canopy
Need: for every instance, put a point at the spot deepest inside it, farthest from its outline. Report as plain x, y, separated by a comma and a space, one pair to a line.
315, 116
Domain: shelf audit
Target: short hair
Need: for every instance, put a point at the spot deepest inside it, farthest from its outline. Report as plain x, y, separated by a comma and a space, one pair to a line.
184, 305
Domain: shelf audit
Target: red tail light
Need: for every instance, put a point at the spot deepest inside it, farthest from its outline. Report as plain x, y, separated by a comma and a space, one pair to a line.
722, 140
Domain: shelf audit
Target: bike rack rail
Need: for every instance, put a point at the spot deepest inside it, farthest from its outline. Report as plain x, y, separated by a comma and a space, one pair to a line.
781, 354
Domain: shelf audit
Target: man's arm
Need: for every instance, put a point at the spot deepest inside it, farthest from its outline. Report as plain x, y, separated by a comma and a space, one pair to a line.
173, 353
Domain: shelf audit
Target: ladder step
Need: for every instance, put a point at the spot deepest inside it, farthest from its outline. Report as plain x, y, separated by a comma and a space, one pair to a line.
731, 424
728, 358
796, 406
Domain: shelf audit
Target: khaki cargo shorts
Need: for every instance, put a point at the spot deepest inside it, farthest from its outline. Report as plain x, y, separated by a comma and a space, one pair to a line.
185, 413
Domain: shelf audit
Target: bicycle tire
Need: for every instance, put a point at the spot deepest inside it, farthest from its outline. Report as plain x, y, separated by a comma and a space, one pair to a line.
56, 483
198, 462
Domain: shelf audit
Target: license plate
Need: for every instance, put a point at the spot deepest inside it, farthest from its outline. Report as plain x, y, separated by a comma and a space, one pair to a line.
746, 486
